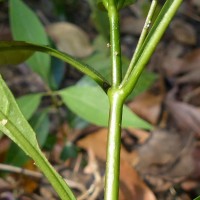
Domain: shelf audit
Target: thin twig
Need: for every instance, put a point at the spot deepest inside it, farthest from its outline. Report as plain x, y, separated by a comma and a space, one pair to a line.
18, 170
38, 175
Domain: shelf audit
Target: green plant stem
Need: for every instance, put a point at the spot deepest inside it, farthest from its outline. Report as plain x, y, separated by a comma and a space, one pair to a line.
113, 15
113, 145
117, 95
116, 105
145, 52
142, 37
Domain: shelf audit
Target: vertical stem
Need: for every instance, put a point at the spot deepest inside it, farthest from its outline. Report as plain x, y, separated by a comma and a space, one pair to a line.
113, 145
115, 45
142, 37
116, 105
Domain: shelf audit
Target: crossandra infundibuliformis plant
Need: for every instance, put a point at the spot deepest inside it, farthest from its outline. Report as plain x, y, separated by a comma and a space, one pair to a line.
117, 88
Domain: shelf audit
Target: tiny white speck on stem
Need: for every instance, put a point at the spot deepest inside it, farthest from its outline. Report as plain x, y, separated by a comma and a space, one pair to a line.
147, 25
116, 53
108, 45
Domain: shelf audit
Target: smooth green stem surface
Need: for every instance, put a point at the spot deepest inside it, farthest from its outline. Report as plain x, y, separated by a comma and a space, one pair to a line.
143, 35
115, 45
113, 145
167, 13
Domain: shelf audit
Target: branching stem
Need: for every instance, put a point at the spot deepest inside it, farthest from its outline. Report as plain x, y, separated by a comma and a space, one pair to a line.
119, 91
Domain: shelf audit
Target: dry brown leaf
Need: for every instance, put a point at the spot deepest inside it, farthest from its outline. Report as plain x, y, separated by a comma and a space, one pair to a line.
7, 195
172, 65
192, 97
5, 33
147, 106
189, 185
70, 39
191, 61
136, 28
184, 32
190, 77
46, 193
29, 184
4, 144
4, 185
131, 185
159, 150
185, 116
97, 141
196, 4
167, 154
166, 58
141, 135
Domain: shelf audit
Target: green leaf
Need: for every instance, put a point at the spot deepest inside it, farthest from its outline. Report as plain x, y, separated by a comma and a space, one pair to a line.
84, 68
26, 26
91, 103
28, 104
101, 63
69, 151
100, 19
119, 3
11, 115
124, 3
102, 4
10, 56
15, 126
144, 82
197, 198
19, 158
40, 124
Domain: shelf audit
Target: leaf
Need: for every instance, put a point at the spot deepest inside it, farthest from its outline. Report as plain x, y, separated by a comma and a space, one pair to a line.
119, 3
69, 151
28, 104
132, 185
145, 81
84, 68
101, 63
19, 158
11, 115
41, 124
26, 26
70, 39
124, 3
14, 125
91, 103
99, 19
10, 56
184, 32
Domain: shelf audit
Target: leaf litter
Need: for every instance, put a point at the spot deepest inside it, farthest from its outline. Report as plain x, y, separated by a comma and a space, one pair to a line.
161, 164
